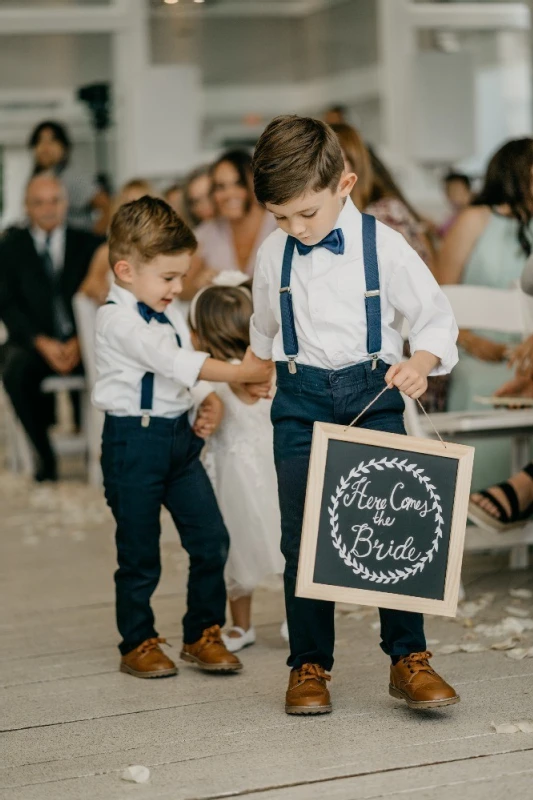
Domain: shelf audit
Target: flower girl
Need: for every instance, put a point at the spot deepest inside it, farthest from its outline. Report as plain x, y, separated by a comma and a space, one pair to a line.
239, 455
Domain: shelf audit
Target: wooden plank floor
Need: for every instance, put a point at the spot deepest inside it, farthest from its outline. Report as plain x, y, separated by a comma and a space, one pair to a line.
71, 723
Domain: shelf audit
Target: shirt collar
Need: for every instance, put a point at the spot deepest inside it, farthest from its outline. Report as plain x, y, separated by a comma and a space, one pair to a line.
39, 236
349, 221
122, 297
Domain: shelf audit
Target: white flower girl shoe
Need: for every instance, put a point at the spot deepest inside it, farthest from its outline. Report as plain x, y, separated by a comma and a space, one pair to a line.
236, 643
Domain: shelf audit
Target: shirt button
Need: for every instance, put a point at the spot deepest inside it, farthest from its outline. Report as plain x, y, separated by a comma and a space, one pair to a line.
337, 356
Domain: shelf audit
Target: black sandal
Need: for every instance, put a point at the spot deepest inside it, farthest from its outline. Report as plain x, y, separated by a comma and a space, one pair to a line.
505, 521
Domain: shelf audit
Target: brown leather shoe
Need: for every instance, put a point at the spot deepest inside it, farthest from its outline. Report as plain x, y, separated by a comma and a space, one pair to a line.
412, 679
307, 692
148, 661
210, 653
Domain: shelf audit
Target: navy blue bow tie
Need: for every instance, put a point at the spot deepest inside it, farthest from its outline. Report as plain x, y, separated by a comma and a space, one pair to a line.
334, 242
148, 313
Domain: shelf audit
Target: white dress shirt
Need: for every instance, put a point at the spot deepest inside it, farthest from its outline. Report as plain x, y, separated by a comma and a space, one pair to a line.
57, 244
328, 295
127, 347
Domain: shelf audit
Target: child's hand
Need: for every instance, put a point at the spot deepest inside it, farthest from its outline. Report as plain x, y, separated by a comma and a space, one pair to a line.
258, 390
255, 370
411, 377
209, 417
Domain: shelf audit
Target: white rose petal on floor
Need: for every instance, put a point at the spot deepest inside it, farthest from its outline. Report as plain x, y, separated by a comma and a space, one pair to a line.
136, 774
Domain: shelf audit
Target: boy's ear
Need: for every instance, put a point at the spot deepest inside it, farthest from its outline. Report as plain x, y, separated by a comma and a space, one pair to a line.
124, 271
346, 183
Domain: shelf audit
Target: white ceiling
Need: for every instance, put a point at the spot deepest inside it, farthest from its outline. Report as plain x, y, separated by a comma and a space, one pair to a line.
245, 8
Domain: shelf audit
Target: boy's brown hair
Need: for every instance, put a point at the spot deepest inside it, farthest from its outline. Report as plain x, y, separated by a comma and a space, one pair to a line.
295, 155
147, 228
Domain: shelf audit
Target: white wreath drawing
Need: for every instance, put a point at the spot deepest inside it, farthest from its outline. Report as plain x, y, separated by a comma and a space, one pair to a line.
393, 576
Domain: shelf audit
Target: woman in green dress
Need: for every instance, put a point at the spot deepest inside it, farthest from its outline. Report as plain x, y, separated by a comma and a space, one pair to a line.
488, 245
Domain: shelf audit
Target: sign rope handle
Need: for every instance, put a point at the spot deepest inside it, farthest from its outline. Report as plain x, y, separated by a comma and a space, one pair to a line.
376, 398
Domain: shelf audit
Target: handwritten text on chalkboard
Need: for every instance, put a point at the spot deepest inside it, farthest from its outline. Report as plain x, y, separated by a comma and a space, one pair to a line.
385, 520
356, 490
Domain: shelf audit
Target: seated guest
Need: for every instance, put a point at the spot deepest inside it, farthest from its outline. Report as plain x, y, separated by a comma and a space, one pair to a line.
336, 115
506, 505
173, 195
99, 277
377, 193
41, 268
197, 198
231, 240
88, 199
458, 191
489, 245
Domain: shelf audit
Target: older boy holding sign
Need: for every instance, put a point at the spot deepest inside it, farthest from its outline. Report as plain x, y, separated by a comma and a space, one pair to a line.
330, 289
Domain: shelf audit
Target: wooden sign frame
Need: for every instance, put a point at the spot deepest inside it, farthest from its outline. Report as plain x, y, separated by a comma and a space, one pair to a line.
306, 586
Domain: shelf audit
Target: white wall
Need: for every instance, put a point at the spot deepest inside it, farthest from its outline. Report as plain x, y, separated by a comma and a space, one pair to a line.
258, 67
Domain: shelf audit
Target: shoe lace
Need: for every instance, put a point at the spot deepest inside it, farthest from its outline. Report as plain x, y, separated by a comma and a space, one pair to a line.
309, 671
212, 635
150, 644
419, 661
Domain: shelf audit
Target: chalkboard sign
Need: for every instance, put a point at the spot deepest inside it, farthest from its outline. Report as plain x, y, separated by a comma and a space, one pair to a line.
385, 519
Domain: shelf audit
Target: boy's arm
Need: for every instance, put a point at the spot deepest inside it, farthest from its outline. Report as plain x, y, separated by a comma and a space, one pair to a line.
150, 347
414, 292
263, 324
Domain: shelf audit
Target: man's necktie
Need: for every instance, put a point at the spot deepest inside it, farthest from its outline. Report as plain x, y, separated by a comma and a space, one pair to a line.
334, 242
63, 327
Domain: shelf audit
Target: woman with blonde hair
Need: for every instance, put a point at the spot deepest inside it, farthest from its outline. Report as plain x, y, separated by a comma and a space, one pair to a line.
197, 201
356, 159
377, 193
98, 278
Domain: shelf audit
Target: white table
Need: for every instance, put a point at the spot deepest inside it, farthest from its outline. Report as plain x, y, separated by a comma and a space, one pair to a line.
485, 424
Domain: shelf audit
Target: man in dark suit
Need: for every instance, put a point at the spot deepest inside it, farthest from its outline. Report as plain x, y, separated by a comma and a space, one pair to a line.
41, 268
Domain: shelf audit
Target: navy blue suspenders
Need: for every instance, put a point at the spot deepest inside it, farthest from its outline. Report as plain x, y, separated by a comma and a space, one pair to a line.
372, 296
147, 384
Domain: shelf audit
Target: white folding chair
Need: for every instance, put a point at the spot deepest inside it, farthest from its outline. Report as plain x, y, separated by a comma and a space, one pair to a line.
496, 310
85, 314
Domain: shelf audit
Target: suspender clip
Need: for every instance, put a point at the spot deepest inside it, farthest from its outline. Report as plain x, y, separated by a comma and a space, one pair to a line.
372, 293
375, 358
285, 289
292, 365
145, 420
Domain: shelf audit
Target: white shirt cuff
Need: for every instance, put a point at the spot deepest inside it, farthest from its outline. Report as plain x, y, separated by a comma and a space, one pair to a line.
260, 344
187, 366
440, 346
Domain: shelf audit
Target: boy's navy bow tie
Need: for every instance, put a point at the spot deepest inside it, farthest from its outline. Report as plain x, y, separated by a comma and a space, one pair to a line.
148, 313
334, 242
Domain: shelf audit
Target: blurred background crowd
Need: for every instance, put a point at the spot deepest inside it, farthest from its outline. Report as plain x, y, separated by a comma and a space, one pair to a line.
103, 101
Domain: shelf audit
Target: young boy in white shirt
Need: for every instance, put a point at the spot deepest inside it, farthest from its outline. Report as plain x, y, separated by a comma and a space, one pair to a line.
330, 290
150, 454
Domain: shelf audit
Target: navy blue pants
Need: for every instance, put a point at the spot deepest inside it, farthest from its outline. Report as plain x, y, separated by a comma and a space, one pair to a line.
314, 394
145, 469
